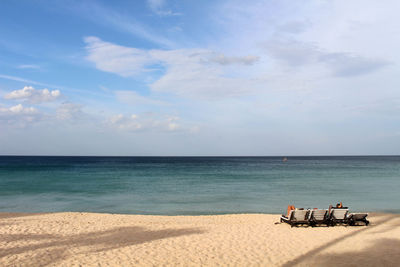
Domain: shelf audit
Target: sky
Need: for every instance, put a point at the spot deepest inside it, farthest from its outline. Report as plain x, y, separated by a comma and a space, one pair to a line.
199, 78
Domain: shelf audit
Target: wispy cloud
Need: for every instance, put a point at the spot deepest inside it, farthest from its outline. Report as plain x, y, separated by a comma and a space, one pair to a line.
187, 71
225, 60
70, 111
159, 7
293, 27
346, 64
19, 79
145, 122
294, 53
28, 66
125, 61
133, 98
109, 17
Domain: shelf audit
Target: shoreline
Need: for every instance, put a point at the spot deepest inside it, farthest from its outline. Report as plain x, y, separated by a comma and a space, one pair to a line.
5, 213
89, 239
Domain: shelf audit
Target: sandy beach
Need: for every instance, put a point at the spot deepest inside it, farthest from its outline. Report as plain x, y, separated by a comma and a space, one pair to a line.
92, 239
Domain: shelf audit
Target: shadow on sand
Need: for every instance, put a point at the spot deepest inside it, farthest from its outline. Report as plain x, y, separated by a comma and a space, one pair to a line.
383, 252
54, 247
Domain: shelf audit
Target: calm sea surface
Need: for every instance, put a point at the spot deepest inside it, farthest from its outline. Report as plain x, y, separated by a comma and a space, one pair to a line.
197, 185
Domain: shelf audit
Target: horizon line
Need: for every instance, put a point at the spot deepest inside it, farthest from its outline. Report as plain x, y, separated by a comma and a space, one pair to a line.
208, 156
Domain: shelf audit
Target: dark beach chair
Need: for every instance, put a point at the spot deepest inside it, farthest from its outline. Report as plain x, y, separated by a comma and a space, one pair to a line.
354, 218
318, 216
296, 217
338, 216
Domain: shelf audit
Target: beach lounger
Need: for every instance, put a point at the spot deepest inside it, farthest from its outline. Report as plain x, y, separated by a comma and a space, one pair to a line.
318, 216
296, 217
353, 218
338, 216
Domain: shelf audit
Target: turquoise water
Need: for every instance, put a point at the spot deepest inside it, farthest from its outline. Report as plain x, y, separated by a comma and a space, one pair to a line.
197, 185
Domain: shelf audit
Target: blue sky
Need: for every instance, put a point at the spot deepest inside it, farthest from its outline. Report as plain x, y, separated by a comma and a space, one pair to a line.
169, 77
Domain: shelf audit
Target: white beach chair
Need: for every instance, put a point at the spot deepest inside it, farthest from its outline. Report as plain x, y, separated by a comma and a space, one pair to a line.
353, 218
338, 216
296, 217
318, 216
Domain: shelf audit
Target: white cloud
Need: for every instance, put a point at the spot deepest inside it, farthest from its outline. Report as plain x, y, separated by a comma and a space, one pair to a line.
30, 94
19, 115
19, 109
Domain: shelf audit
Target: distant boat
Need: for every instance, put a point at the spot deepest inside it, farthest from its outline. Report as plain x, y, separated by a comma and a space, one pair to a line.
284, 159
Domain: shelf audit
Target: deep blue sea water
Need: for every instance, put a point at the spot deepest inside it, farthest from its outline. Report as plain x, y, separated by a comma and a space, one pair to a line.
197, 185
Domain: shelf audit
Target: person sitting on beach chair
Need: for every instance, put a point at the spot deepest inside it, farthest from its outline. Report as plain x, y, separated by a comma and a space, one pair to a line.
289, 209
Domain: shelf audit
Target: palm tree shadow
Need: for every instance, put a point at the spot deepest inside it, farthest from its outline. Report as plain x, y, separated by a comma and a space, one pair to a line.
88, 242
383, 252
128, 236
314, 254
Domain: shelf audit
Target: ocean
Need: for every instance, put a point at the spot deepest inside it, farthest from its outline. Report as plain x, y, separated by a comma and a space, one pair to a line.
197, 185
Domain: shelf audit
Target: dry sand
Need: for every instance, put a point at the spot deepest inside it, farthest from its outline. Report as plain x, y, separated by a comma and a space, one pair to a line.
90, 239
